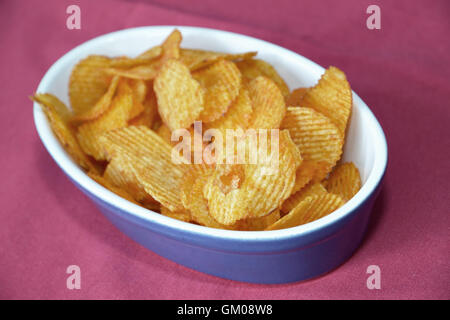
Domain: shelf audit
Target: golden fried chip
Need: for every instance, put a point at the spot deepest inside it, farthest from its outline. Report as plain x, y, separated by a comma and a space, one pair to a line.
237, 116
257, 224
268, 104
195, 59
142, 72
194, 201
295, 98
317, 138
151, 160
151, 53
240, 191
88, 83
180, 97
221, 83
101, 106
305, 173
58, 114
344, 181
332, 97
182, 215
164, 132
150, 110
111, 187
120, 174
312, 189
253, 68
308, 210
171, 46
115, 117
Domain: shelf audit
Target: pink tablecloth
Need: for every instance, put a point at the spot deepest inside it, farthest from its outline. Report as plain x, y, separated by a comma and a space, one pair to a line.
401, 71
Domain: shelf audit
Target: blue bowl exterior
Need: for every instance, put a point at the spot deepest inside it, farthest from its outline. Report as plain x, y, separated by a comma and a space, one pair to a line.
275, 261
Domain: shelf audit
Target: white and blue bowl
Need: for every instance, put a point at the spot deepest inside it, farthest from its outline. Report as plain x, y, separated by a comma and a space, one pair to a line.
278, 256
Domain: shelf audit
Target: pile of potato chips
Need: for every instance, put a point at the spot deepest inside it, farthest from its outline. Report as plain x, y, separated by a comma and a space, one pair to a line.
124, 111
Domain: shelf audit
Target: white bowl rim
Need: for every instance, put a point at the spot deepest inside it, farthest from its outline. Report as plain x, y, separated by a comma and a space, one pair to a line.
82, 179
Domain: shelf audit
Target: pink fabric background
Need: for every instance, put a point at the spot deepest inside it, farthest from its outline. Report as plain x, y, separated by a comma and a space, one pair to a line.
401, 71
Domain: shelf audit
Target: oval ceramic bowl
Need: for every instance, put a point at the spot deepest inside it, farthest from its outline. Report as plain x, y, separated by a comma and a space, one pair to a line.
277, 256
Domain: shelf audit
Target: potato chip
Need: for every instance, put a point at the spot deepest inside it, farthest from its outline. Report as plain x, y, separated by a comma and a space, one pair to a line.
120, 174
344, 181
58, 114
305, 173
150, 109
308, 210
151, 160
171, 46
257, 224
170, 49
332, 97
317, 138
151, 53
111, 187
126, 109
237, 116
115, 117
194, 201
180, 97
221, 83
239, 191
88, 83
182, 214
126, 62
195, 59
295, 98
101, 106
142, 72
253, 68
268, 104
312, 189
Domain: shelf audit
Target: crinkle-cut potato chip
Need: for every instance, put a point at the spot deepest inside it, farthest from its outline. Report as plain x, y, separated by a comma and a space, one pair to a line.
151, 160
195, 59
182, 214
194, 201
138, 90
295, 98
180, 97
344, 181
88, 83
142, 72
127, 62
164, 132
171, 46
120, 174
111, 187
267, 102
257, 224
115, 117
102, 104
58, 114
305, 173
237, 116
240, 191
221, 83
150, 112
152, 53
253, 68
317, 138
332, 97
170, 49
312, 189
308, 210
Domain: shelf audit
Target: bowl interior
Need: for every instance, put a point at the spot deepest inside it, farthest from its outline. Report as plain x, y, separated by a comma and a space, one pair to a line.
365, 144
